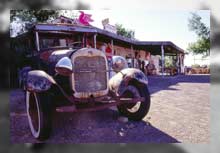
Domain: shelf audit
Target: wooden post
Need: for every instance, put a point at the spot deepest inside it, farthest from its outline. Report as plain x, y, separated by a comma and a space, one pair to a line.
132, 50
112, 46
178, 63
83, 40
162, 59
37, 41
183, 56
95, 40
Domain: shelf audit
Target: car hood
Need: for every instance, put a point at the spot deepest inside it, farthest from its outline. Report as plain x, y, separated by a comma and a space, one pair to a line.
55, 56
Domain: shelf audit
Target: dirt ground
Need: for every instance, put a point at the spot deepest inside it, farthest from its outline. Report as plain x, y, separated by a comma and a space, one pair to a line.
179, 112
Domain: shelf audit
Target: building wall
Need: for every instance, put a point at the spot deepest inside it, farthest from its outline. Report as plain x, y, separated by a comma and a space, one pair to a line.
142, 54
129, 53
117, 50
155, 59
123, 51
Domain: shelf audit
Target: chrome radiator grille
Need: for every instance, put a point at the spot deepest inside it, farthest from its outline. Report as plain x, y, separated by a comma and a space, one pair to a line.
90, 73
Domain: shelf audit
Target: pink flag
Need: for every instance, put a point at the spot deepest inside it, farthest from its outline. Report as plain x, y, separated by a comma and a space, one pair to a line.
85, 18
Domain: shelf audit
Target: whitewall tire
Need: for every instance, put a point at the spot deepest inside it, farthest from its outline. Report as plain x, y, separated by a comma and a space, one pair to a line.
38, 110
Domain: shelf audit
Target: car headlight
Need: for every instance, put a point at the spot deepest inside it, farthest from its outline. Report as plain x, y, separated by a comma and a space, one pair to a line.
64, 66
119, 63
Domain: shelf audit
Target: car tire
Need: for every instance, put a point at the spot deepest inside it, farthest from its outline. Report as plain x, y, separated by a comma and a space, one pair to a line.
142, 108
39, 113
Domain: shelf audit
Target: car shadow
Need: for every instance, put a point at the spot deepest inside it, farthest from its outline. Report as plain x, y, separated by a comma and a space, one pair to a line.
104, 127
93, 127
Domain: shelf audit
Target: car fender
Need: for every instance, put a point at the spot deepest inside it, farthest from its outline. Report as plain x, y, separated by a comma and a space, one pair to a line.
120, 81
38, 81
22, 75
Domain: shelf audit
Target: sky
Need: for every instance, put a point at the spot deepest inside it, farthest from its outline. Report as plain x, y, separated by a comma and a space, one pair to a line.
156, 26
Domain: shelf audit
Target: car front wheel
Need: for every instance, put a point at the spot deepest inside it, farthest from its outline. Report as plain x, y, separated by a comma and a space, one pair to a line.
38, 108
140, 109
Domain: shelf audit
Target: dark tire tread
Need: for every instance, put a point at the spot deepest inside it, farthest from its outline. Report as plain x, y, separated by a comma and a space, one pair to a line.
144, 107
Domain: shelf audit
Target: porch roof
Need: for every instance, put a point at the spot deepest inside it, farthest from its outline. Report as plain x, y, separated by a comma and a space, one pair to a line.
169, 46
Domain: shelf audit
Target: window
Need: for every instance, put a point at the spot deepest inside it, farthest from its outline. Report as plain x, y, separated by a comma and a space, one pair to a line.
49, 40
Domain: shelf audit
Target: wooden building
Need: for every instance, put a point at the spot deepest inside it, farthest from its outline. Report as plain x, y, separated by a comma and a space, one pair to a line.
136, 52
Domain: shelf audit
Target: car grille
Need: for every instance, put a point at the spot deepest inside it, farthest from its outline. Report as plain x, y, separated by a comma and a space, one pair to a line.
90, 73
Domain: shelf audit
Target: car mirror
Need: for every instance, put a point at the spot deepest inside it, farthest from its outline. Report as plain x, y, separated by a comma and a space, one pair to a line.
64, 66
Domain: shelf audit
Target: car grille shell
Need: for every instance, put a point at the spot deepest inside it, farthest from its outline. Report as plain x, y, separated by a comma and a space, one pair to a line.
90, 73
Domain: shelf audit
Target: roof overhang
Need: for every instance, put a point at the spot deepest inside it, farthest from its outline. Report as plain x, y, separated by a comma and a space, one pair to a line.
90, 29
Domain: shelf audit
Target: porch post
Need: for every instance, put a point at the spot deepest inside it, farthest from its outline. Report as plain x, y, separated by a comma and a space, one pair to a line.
178, 63
132, 50
37, 41
162, 59
112, 44
83, 40
183, 56
95, 41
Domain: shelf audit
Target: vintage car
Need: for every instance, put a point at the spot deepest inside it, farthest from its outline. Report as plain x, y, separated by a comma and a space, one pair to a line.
76, 79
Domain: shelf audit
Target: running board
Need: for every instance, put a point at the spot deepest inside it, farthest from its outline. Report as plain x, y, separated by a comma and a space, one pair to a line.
73, 108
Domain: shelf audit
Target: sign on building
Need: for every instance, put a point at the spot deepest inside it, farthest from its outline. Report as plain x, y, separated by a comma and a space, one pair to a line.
105, 21
108, 27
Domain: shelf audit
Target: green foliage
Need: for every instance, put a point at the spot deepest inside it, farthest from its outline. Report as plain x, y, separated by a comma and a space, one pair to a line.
196, 25
169, 62
124, 32
202, 45
26, 18
33, 15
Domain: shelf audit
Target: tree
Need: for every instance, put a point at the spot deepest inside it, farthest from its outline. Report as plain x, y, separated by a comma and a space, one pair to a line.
32, 15
170, 62
26, 18
202, 45
124, 32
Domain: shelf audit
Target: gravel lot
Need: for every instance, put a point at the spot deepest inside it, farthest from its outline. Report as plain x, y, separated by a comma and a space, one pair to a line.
179, 113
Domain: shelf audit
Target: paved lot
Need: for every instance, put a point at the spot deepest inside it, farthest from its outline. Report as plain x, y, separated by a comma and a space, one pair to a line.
181, 107
179, 113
